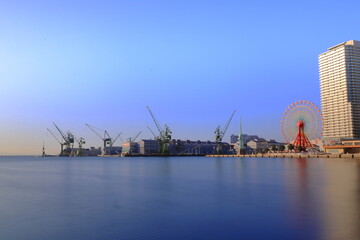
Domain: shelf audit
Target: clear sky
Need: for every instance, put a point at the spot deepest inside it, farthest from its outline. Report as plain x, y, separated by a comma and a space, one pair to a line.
193, 62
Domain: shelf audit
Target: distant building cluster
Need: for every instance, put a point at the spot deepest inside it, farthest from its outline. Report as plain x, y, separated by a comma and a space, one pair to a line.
255, 144
176, 146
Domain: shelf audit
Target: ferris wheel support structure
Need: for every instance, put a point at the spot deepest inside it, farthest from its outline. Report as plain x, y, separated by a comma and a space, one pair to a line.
301, 125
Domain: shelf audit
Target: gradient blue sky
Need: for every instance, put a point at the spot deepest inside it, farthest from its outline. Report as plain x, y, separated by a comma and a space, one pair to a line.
192, 62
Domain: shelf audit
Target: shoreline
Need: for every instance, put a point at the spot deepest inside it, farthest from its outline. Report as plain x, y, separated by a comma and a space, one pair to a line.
290, 155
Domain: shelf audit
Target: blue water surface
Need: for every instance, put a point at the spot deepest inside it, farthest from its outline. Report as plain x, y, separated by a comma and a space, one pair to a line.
173, 198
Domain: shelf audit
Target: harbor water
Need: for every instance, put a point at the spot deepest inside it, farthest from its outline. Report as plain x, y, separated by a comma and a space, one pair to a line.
179, 198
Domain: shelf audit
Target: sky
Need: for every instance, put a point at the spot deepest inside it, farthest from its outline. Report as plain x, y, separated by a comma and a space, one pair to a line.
191, 62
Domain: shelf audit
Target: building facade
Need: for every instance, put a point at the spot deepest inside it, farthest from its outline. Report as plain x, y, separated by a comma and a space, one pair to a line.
340, 92
130, 147
148, 146
260, 145
177, 146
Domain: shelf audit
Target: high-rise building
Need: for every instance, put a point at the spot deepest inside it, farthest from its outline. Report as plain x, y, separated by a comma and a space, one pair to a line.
340, 91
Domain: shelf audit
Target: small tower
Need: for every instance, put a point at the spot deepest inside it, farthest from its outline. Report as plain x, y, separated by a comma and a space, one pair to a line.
241, 140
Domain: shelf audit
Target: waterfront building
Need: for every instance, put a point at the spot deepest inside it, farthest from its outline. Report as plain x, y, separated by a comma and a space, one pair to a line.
130, 147
339, 69
86, 152
177, 146
196, 147
114, 150
148, 146
260, 145
349, 147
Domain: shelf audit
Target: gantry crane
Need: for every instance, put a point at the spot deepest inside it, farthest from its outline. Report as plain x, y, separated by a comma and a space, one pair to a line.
219, 135
68, 141
165, 135
107, 140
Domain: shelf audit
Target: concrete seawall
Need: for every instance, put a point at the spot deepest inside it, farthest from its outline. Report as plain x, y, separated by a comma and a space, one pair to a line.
292, 155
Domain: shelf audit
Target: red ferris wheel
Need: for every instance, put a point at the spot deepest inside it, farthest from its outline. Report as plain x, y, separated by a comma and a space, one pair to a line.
301, 123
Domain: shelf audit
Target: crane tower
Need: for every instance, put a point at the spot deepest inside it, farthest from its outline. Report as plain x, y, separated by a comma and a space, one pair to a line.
164, 137
219, 135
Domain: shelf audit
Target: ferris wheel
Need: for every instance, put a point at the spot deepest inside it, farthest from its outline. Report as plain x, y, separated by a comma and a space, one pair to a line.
301, 123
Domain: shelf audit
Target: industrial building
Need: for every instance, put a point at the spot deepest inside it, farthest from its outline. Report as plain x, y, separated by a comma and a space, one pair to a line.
130, 147
86, 152
196, 147
340, 92
176, 146
113, 150
148, 146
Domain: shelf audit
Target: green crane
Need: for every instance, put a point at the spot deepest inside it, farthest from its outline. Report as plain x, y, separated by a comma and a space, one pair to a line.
81, 142
68, 141
219, 135
164, 137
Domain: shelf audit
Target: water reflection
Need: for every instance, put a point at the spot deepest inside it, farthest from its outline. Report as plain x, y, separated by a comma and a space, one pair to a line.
302, 195
180, 198
341, 199
323, 196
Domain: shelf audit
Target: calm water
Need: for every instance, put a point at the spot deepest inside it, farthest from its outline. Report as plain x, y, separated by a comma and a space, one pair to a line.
178, 198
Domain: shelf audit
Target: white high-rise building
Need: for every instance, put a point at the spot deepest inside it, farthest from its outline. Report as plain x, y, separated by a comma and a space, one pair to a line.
340, 91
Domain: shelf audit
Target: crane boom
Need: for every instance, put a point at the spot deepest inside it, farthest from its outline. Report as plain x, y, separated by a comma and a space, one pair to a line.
61, 133
164, 135
136, 136
152, 132
54, 136
228, 123
155, 121
106, 135
113, 141
92, 129
219, 135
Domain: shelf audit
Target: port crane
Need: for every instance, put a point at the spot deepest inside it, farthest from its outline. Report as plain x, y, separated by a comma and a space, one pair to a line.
81, 142
61, 143
68, 141
165, 135
107, 140
219, 135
